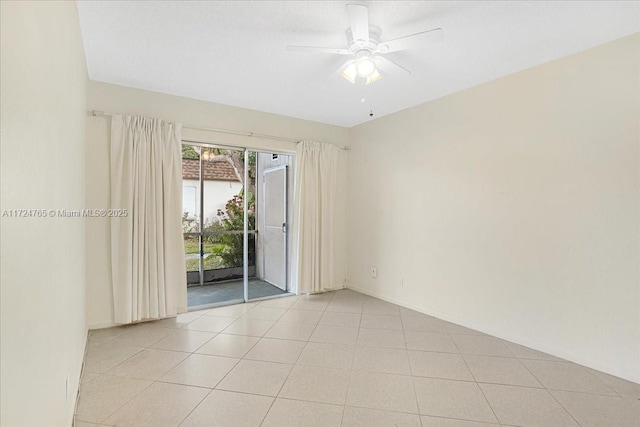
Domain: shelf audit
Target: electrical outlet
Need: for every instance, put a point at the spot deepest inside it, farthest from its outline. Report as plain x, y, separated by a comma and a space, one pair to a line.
401, 282
374, 271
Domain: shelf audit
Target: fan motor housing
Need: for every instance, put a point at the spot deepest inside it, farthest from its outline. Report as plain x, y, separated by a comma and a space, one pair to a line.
374, 40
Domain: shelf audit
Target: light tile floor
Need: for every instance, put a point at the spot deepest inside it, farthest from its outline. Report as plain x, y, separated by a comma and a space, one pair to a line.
336, 359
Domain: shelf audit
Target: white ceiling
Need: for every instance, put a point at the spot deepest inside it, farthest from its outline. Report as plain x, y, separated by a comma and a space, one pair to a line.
233, 52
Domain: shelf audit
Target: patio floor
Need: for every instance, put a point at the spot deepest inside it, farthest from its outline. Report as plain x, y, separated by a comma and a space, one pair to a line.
229, 291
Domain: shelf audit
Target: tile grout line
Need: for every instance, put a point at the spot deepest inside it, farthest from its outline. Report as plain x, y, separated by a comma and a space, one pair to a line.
229, 371
292, 367
344, 408
413, 384
158, 380
346, 398
153, 381
214, 387
617, 395
195, 407
127, 402
601, 382
421, 415
565, 409
551, 394
476, 382
344, 405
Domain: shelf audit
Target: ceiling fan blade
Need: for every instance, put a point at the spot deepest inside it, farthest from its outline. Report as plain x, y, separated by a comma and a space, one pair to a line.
413, 40
359, 21
316, 49
388, 66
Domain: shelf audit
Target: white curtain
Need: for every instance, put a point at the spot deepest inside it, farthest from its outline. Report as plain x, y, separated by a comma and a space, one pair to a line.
315, 192
147, 248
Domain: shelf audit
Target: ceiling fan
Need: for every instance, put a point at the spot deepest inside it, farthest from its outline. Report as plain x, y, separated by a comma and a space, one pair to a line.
368, 50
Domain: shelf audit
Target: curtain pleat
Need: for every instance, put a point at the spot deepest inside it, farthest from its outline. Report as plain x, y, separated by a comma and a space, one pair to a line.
147, 248
316, 177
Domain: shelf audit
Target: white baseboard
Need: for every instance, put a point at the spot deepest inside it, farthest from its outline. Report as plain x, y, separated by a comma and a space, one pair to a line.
101, 325
84, 357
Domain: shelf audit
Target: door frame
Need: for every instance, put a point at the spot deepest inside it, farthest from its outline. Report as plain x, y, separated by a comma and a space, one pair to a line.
245, 231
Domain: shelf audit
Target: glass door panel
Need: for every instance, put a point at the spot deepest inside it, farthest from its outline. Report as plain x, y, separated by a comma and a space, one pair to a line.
227, 260
214, 234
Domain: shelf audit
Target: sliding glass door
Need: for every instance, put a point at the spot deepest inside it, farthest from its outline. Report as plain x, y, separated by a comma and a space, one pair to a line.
235, 224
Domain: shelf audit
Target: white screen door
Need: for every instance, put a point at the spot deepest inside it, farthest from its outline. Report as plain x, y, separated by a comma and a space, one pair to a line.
275, 226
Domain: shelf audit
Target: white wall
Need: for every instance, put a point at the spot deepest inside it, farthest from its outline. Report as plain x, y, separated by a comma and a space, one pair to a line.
216, 196
512, 207
190, 112
43, 108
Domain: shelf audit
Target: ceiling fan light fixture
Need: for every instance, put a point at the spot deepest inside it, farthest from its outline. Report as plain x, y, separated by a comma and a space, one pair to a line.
350, 72
365, 67
367, 49
374, 77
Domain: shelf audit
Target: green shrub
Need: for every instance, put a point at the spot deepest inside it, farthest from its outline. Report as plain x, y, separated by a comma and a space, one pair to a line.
230, 248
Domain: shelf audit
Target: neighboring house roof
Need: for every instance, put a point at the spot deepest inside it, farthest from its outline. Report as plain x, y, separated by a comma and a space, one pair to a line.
217, 170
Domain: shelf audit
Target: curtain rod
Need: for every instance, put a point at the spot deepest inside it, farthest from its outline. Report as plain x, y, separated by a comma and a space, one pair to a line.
97, 113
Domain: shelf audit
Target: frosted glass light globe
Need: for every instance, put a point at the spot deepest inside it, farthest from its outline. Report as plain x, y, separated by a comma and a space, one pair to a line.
365, 67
